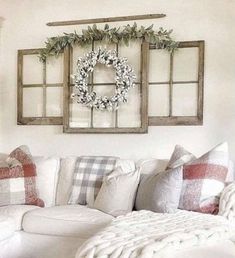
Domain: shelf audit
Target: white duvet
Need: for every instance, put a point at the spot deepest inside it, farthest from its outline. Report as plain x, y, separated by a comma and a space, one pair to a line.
146, 234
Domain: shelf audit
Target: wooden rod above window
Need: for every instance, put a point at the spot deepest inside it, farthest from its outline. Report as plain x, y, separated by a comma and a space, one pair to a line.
109, 19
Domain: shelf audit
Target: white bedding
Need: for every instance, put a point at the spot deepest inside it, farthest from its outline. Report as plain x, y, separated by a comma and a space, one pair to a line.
147, 234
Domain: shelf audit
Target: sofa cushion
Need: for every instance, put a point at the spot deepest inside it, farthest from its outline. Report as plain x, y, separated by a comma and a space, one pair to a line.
16, 212
47, 178
7, 227
69, 220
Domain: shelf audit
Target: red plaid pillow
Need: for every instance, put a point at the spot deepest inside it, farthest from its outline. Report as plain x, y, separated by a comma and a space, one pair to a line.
203, 181
17, 179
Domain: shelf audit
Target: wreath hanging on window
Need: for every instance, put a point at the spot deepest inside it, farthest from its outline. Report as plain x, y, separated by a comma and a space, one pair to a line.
124, 78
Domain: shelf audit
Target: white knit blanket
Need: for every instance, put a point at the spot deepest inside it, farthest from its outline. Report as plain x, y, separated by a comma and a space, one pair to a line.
227, 203
145, 234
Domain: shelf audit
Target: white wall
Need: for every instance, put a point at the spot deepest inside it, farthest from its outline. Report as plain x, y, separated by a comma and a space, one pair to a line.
210, 20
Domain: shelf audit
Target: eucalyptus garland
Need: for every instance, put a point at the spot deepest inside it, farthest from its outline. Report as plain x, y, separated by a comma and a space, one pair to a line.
162, 38
124, 79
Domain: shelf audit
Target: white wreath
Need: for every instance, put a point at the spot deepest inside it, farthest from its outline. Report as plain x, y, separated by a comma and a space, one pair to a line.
124, 79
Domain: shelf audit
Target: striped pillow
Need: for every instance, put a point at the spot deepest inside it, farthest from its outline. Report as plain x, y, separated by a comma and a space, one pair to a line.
17, 179
203, 181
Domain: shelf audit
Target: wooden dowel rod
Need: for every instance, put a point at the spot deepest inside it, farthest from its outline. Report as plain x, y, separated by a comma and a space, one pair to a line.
110, 19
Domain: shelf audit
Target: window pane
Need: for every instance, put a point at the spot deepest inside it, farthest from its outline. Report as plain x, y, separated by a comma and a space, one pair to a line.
159, 65
79, 115
129, 113
32, 70
54, 100
104, 118
159, 100
184, 100
133, 54
102, 73
32, 102
186, 64
55, 69
78, 51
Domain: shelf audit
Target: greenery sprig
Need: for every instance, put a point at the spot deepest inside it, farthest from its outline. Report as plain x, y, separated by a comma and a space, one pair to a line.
162, 38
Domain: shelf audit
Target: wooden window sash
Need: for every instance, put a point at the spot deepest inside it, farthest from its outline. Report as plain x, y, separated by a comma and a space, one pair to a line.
143, 98
44, 120
183, 120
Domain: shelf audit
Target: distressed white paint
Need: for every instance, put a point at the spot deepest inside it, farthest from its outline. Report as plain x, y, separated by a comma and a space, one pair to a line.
211, 20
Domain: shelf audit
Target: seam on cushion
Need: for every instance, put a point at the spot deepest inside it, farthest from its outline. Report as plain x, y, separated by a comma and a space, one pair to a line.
57, 185
49, 218
59, 177
56, 179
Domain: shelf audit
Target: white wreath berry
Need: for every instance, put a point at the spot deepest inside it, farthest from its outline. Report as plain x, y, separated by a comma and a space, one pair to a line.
124, 79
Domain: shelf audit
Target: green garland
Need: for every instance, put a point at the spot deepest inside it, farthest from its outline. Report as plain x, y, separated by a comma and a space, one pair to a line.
162, 38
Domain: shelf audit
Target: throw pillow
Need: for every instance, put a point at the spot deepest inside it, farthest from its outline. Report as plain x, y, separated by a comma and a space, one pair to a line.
179, 157
18, 179
203, 181
117, 193
88, 178
160, 192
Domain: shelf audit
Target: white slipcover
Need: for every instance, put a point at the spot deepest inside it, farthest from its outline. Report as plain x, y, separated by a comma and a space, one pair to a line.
7, 227
16, 213
71, 220
47, 178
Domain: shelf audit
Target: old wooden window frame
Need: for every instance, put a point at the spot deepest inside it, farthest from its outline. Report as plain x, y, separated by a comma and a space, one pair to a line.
44, 120
183, 120
143, 98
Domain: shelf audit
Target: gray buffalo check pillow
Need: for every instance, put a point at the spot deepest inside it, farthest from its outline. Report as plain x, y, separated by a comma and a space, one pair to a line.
88, 177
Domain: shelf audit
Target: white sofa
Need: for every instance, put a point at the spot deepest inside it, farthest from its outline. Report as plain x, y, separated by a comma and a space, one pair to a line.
57, 230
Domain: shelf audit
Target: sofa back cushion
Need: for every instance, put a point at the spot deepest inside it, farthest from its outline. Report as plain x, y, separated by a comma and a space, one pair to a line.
18, 179
65, 180
47, 178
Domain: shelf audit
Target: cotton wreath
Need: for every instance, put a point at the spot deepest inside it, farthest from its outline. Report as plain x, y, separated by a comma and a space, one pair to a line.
124, 78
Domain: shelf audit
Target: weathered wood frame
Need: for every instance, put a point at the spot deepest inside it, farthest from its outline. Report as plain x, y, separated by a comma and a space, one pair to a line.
44, 120
143, 96
183, 120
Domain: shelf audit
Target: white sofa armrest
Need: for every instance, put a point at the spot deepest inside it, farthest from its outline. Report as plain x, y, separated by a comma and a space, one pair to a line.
227, 202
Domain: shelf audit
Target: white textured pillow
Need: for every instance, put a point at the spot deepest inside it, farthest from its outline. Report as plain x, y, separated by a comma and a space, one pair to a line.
47, 177
160, 192
117, 193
